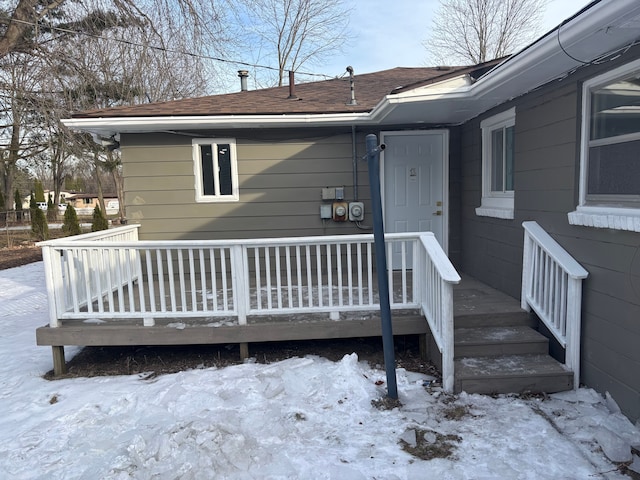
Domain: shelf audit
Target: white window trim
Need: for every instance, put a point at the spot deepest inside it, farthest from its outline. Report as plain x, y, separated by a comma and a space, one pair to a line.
616, 218
494, 204
197, 170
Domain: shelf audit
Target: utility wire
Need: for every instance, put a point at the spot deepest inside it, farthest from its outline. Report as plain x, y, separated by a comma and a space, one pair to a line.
162, 49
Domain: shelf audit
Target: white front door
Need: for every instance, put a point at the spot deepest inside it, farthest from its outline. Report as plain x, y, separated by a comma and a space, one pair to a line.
414, 167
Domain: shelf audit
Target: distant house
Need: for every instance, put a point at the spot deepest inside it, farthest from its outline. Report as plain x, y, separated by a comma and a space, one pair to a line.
84, 203
550, 135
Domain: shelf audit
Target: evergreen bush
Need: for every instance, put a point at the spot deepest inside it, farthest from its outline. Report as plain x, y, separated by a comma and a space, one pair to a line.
51, 210
39, 226
71, 225
99, 221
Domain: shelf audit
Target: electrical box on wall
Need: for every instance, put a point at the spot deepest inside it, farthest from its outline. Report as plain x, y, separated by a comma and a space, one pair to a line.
356, 211
328, 193
339, 193
340, 211
326, 211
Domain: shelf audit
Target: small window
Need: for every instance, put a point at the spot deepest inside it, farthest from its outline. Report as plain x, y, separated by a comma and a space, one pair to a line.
87, 201
498, 154
216, 170
609, 161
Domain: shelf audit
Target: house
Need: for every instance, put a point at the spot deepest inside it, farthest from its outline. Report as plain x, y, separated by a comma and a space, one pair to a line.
84, 203
549, 135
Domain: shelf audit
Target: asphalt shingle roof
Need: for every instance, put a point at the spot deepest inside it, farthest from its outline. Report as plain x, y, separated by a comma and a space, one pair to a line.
328, 96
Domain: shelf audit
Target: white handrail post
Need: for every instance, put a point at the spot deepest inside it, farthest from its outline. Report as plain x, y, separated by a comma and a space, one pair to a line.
574, 308
448, 371
239, 280
53, 281
527, 261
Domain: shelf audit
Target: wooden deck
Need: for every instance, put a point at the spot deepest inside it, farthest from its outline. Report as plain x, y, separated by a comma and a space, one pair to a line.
472, 300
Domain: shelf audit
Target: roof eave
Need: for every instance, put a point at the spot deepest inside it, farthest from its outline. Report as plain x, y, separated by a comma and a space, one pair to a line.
109, 126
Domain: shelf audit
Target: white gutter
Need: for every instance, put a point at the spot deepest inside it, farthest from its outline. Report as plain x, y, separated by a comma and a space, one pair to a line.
106, 126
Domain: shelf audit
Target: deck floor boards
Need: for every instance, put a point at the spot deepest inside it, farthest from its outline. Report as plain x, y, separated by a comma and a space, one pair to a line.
471, 298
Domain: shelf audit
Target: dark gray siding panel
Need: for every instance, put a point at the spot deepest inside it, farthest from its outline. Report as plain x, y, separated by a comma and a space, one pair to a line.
546, 188
455, 196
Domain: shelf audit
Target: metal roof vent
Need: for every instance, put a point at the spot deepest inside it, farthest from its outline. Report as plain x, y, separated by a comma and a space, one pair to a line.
243, 74
352, 100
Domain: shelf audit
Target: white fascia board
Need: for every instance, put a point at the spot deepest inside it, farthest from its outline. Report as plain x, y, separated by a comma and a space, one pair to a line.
111, 125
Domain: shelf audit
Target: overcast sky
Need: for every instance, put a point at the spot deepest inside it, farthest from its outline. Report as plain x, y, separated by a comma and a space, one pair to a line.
388, 34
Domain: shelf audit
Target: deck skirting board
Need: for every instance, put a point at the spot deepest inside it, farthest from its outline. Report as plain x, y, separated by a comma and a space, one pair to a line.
111, 335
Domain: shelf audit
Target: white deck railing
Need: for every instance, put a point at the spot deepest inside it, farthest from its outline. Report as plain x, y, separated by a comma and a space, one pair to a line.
112, 275
552, 287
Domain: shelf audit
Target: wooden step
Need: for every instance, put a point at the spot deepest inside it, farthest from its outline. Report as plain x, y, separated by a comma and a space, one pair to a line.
511, 374
494, 319
493, 341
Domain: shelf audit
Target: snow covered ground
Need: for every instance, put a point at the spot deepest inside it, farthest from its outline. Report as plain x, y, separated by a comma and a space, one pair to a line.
302, 418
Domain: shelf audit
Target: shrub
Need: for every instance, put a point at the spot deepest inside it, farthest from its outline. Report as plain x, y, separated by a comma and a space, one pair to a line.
39, 226
71, 226
51, 210
17, 200
99, 221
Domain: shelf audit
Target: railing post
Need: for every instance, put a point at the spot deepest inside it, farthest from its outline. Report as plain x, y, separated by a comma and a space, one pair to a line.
448, 370
239, 280
574, 309
53, 280
526, 271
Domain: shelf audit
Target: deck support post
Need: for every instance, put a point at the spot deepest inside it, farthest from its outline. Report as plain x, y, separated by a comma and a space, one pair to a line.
59, 365
244, 351
423, 342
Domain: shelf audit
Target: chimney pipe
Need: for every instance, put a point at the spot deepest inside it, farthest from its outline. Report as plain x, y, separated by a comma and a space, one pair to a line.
292, 86
352, 100
243, 74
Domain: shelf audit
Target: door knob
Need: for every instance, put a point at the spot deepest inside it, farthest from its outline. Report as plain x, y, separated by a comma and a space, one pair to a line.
438, 212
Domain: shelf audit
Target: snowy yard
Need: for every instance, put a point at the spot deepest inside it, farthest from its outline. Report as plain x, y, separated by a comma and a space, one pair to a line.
305, 418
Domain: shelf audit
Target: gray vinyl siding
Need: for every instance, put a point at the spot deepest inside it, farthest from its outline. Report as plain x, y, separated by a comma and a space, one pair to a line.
547, 165
280, 180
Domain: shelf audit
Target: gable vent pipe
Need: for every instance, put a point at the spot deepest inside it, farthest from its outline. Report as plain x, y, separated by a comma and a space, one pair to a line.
243, 74
292, 86
352, 82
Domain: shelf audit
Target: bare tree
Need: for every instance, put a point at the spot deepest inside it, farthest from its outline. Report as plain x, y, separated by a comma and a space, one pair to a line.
293, 33
87, 54
475, 31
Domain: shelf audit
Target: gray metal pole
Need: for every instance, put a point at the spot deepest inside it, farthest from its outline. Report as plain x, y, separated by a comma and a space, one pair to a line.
373, 159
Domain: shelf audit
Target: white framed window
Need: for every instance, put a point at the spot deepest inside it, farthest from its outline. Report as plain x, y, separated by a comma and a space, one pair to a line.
498, 152
609, 189
216, 169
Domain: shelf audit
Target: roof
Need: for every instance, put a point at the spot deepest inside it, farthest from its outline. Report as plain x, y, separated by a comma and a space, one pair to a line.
328, 96
400, 96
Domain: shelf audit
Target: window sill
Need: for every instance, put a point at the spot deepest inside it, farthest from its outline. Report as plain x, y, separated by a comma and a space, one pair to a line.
495, 212
230, 198
615, 219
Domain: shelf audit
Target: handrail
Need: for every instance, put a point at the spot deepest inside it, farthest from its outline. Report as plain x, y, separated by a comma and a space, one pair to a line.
111, 275
92, 236
552, 287
436, 279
